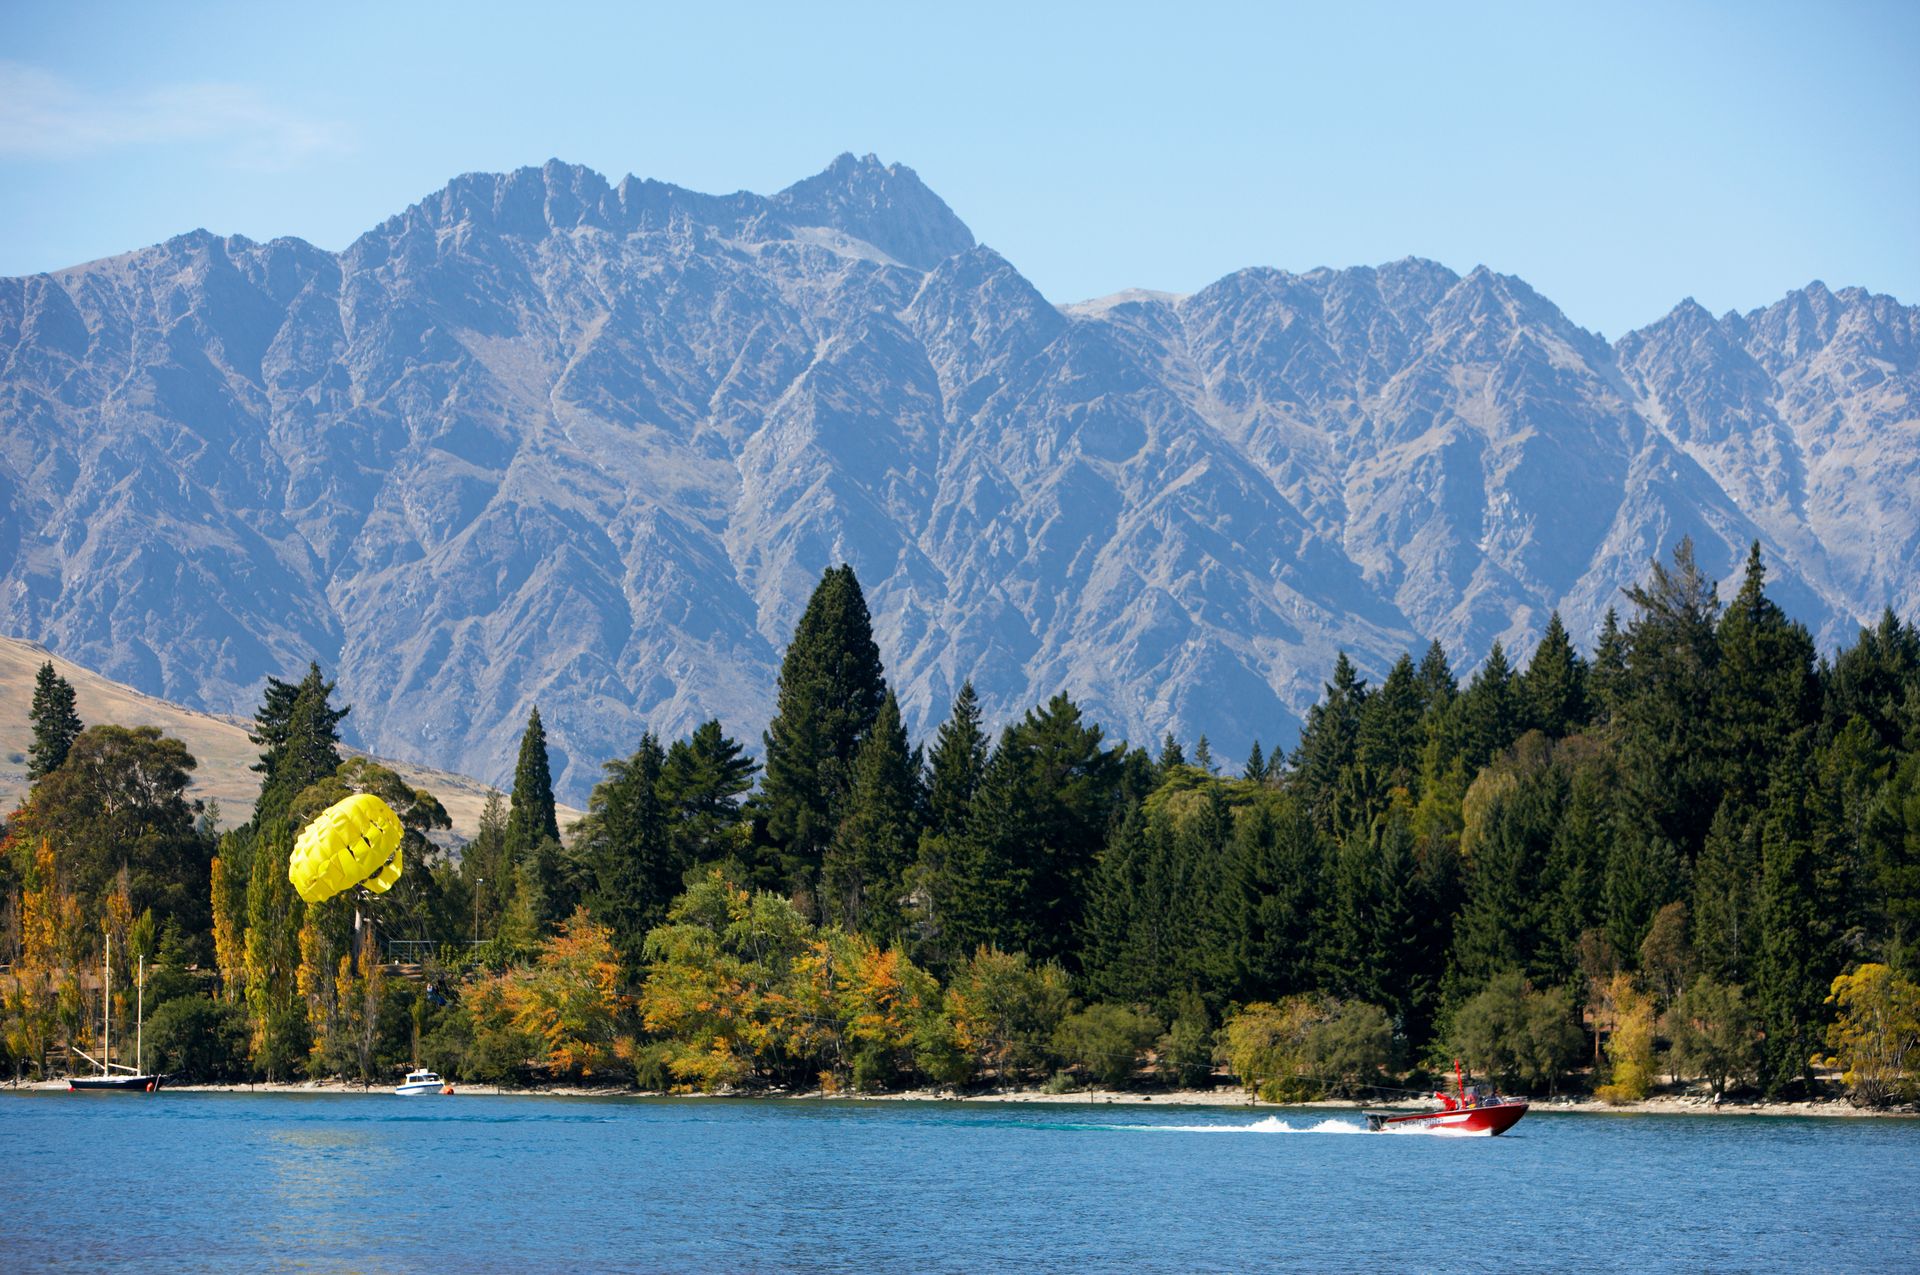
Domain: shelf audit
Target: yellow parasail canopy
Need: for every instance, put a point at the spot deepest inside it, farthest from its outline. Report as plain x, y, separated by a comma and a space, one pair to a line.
357, 839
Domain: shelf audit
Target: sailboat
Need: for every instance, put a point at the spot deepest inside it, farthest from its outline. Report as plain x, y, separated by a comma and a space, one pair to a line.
128, 1077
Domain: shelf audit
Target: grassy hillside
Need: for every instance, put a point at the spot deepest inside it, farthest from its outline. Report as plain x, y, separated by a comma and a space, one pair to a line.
219, 742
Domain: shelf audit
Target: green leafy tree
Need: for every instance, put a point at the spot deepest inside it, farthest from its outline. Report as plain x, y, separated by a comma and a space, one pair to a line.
1522, 1037
55, 723
1714, 1035
274, 917
1787, 970
117, 808
1106, 1041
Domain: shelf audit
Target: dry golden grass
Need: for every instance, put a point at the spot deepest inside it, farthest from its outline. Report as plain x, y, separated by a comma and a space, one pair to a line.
218, 742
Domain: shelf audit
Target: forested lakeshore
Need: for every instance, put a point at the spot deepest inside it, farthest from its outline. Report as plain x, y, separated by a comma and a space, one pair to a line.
1690, 858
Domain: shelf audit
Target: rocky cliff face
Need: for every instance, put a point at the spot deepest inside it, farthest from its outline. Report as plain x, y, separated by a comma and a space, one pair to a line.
539, 438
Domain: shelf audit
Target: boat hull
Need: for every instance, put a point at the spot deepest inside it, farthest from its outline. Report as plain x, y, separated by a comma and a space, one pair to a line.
129, 1084
1487, 1122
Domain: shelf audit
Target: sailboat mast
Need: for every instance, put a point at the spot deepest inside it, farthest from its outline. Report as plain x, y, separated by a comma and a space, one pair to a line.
140, 1021
106, 1009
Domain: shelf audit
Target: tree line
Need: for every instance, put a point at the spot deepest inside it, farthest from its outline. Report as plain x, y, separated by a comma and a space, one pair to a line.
1694, 851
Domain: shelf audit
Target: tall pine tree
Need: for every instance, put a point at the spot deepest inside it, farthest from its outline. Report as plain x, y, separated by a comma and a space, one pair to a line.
831, 687
55, 723
865, 872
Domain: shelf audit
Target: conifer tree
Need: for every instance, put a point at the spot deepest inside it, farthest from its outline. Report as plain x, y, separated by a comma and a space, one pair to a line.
1490, 711
1436, 681
702, 782
959, 756
1664, 709
630, 851
1203, 755
55, 723
1277, 877
300, 729
864, 877
1788, 976
831, 687
1554, 687
1725, 896
531, 813
990, 867
1112, 928
1171, 755
1388, 746
1607, 677
1765, 695
1255, 770
1877, 679
547, 879
1072, 783
1329, 743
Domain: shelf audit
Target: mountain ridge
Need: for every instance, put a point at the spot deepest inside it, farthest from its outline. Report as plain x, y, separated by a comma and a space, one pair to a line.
544, 437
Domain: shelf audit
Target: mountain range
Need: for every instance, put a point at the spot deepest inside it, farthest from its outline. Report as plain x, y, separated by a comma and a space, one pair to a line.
540, 438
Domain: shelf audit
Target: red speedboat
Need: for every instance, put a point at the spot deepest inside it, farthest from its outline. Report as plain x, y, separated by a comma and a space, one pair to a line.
1464, 1111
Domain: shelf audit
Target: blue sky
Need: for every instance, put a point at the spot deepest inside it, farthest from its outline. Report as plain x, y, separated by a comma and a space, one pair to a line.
1617, 156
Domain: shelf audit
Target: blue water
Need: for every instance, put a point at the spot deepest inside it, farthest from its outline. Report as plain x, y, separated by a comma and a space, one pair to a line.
241, 1182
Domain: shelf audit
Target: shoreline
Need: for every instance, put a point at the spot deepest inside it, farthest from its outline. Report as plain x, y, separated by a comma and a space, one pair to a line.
1223, 1099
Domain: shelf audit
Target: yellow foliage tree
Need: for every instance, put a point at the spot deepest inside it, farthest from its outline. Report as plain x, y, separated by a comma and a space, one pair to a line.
569, 1003
1875, 1037
1630, 1046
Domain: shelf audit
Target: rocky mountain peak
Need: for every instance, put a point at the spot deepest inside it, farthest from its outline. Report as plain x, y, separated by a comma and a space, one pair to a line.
887, 205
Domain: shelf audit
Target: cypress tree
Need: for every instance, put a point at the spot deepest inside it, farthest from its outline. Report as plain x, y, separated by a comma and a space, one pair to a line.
55, 723
831, 687
547, 881
959, 755
531, 813
1554, 688
865, 870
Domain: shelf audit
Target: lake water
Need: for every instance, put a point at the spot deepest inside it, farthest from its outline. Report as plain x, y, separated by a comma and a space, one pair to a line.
242, 1182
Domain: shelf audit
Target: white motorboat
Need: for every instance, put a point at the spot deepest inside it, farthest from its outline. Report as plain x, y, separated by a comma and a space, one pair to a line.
419, 1082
